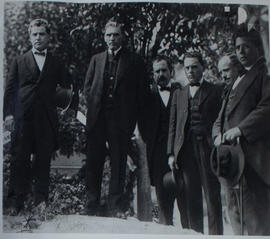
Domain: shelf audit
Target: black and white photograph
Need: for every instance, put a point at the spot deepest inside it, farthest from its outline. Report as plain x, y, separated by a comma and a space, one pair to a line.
135, 118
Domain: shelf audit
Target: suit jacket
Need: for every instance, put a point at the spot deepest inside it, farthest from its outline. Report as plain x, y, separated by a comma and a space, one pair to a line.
209, 106
250, 112
154, 128
25, 85
129, 93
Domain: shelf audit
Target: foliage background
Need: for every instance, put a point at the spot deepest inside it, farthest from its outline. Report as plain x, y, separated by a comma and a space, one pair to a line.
150, 28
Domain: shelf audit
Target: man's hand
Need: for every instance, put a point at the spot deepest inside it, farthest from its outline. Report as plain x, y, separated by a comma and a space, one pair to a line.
231, 135
171, 162
218, 141
9, 123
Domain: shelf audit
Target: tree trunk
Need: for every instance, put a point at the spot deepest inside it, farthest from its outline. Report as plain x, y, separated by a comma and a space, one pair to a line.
144, 201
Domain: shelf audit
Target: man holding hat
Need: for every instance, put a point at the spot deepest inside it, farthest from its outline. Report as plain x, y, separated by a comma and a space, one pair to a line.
30, 108
154, 128
193, 112
245, 115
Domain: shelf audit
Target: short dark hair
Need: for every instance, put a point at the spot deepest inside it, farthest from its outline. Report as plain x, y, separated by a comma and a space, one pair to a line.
159, 58
39, 22
251, 35
115, 22
194, 54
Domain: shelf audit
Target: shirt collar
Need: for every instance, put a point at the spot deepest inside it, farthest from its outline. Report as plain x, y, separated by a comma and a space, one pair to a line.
248, 68
167, 86
35, 50
201, 81
115, 52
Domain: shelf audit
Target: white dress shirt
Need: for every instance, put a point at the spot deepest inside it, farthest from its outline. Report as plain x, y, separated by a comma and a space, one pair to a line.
165, 95
40, 60
114, 53
194, 89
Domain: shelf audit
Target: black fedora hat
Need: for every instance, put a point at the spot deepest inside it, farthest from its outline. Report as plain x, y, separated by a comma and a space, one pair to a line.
64, 97
169, 181
227, 163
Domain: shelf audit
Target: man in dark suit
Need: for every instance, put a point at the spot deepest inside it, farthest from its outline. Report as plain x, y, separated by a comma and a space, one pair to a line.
155, 126
229, 68
115, 90
245, 114
30, 106
193, 111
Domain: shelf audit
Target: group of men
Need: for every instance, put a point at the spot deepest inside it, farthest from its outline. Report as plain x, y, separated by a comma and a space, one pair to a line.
175, 122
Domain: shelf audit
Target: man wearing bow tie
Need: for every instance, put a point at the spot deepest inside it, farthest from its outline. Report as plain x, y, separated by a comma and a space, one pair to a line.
245, 114
154, 128
30, 108
115, 90
193, 111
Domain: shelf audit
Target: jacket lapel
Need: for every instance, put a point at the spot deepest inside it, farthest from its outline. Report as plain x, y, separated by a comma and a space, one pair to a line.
244, 85
102, 62
31, 63
204, 91
121, 68
46, 66
184, 99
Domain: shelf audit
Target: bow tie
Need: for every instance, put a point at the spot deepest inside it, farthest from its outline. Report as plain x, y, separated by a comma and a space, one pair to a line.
165, 88
194, 84
40, 53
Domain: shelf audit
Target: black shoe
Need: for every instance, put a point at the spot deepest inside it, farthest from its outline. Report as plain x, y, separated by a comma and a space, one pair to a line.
116, 213
91, 209
13, 211
15, 205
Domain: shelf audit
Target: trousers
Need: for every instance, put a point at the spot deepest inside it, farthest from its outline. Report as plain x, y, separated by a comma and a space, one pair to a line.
195, 172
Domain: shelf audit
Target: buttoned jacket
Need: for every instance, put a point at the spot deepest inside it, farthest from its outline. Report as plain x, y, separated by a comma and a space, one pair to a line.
250, 111
209, 106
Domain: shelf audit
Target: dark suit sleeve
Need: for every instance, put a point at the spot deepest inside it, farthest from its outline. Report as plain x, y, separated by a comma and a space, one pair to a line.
11, 89
216, 107
217, 101
256, 124
144, 83
172, 124
145, 119
89, 79
144, 100
216, 130
64, 80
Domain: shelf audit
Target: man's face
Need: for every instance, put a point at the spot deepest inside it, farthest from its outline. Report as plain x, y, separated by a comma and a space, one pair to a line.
193, 69
113, 37
246, 52
227, 71
39, 38
162, 74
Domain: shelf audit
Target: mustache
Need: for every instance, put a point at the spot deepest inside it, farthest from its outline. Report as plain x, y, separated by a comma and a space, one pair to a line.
161, 79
